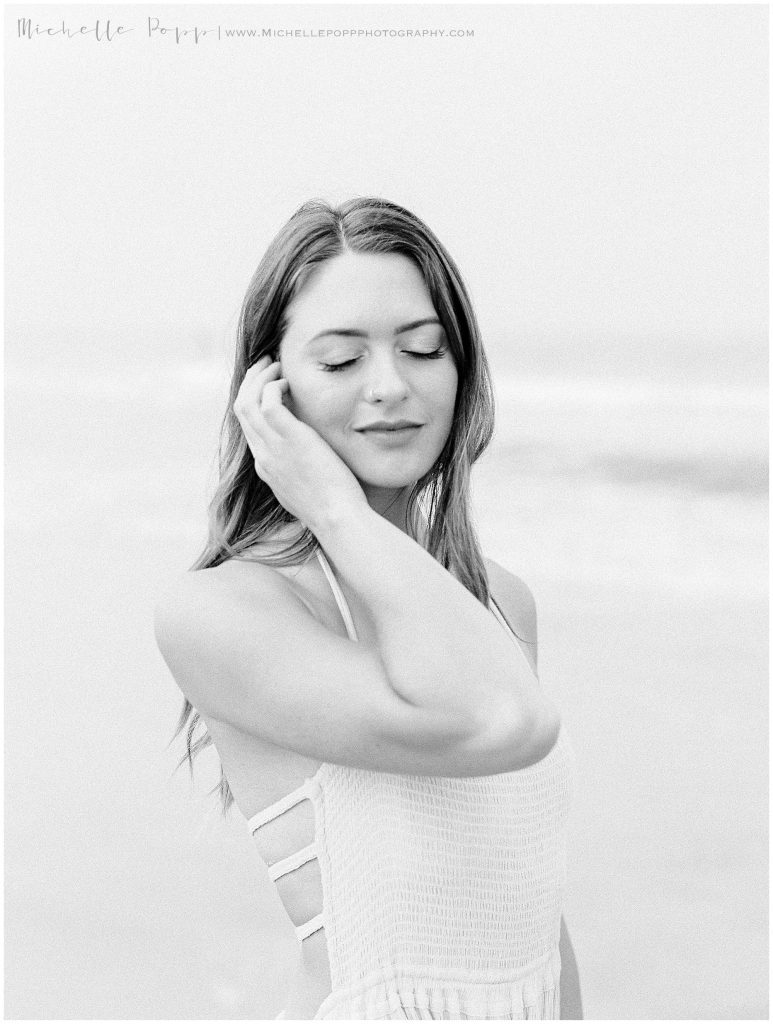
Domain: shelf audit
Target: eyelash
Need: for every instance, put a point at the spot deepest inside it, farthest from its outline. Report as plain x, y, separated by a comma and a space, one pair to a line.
337, 367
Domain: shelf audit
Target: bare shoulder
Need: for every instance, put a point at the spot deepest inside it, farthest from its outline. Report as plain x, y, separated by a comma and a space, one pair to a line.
515, 600
229, 581
247, 650
194, 605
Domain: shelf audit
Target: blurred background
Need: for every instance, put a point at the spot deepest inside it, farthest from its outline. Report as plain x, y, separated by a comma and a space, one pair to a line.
600, 175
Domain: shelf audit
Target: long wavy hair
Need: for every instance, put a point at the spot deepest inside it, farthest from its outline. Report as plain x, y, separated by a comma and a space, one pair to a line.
244, 510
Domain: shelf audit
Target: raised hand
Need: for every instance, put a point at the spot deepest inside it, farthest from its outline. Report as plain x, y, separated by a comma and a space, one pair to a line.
307, 477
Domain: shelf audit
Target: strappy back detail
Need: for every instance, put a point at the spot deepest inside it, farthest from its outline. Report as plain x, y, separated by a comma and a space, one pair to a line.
279, 807
296, 860
308, 853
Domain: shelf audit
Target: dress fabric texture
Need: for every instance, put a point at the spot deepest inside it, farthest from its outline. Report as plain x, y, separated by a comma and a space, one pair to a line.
442, 897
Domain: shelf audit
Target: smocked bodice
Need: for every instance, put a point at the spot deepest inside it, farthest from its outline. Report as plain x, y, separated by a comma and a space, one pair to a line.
442, 896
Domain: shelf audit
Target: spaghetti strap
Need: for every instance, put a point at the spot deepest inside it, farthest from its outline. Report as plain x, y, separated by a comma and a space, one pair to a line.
343, 607
508, 834
494, 607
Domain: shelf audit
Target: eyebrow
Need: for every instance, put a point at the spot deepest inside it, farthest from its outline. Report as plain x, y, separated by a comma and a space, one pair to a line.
350, 332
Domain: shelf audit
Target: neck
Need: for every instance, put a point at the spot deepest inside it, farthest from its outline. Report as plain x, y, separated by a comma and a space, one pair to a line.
391, 503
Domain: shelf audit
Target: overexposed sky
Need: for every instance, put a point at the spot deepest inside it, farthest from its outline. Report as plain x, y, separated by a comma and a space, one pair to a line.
598, 172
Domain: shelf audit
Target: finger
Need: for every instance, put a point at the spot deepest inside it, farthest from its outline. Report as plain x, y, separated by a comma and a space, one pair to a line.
248, 398
252, 380
255, 437
252, 375
278, 417
274, 412
253, 425
260, 364
261, 456
264, 457
258, 373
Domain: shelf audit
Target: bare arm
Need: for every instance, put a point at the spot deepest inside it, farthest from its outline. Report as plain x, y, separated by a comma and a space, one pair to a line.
571, 1000
246, 650
438, 692
442, 649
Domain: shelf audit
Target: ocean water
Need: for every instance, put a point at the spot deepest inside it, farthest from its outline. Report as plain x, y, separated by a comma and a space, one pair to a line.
635, 509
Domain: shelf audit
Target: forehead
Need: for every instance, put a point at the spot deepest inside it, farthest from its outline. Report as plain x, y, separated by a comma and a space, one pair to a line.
361, 290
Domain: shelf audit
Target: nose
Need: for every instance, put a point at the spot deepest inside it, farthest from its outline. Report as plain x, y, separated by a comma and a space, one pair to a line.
385, 383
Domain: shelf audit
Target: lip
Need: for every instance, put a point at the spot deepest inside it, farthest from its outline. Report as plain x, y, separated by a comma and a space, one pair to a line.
385, 427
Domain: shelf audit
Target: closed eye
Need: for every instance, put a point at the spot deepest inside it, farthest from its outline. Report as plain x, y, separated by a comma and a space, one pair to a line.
335, 367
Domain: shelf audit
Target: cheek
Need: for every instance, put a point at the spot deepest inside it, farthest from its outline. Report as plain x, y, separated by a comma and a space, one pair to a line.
443, 397
313, 403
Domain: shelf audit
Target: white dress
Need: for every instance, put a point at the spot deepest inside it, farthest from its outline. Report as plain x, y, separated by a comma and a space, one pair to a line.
442, 897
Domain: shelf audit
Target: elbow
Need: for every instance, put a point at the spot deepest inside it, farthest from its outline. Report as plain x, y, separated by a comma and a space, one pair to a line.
547, 736
510, 739
534, 736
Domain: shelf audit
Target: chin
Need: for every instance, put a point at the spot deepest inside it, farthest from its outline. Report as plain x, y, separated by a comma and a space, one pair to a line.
391, 478
387, 483
390, 470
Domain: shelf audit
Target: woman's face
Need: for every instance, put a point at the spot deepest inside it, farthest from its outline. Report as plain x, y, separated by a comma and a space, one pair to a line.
364, 346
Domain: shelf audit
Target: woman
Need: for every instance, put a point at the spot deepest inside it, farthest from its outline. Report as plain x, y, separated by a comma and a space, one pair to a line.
377, 716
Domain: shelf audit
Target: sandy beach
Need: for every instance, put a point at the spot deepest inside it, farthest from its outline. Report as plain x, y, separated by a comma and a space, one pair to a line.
637, 513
